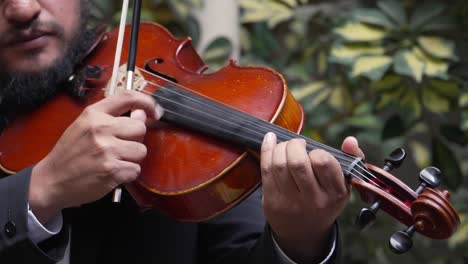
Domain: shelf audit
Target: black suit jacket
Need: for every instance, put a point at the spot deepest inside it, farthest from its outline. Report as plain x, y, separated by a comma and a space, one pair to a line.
103, 232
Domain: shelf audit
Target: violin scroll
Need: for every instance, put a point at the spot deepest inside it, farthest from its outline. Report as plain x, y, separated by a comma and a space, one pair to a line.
427, 211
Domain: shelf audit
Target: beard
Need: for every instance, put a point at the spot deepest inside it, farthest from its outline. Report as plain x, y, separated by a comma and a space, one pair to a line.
22, 92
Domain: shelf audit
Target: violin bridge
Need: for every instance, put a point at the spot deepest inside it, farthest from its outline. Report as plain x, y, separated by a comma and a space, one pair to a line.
139, 82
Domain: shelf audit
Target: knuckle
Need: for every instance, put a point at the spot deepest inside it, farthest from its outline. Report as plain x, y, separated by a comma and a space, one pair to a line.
109, 168
102, 148
88, 111
134, 173
342, 194
271, 206
280, 166
298, 165
320, 204
97, 128
321, 158
265, 168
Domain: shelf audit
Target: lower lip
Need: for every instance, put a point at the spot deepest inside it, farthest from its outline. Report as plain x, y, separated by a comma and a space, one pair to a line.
33, 44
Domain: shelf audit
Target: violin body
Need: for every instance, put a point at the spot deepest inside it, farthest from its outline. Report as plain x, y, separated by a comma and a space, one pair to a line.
187, 175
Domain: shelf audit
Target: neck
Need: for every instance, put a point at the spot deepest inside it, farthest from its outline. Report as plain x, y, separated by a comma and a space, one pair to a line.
209, 117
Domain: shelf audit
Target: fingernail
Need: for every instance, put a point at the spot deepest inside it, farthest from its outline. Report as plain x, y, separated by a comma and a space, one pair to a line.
270, 136
159, 111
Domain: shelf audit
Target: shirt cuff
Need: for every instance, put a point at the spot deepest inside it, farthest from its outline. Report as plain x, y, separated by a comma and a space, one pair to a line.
39, 232
286, 260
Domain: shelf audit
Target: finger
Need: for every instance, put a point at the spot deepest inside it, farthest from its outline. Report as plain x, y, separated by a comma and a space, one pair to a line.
351, 146
131, 151
300, 166
139, 115
266, 164
127, 172
328, 172
123, 102
128, 128
281, 170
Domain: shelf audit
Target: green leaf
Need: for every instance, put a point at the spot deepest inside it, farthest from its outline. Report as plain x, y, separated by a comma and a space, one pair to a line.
448, 89
359, 32
347, 54
366, 121
272, 12
446, 161
308, 89
434, 102
463, 101
291, 3
420, 154
319, 98
432, 66
407, 63
425, 13
454, 134
389, 97
411, 106
340, 98
389, 81
372, 67
438, 47
394, 127
395, 10
218, 52
442, 23
372, 16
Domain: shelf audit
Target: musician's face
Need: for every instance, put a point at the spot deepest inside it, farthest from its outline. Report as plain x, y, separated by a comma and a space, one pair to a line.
36, 33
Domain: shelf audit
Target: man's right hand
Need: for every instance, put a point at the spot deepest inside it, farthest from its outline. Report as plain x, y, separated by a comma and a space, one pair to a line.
99, 151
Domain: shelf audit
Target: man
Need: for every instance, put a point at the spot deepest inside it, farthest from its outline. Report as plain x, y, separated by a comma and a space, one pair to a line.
41, 41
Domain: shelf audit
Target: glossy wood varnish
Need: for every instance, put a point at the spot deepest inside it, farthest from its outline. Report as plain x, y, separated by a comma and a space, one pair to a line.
187, 175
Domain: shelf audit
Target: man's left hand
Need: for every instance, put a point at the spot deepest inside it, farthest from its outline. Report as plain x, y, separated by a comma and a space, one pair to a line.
303, 194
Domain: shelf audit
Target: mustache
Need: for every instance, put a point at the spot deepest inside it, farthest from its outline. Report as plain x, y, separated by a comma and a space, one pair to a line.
35, 28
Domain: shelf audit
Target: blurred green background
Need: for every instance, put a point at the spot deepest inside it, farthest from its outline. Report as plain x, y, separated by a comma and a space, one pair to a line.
393, 73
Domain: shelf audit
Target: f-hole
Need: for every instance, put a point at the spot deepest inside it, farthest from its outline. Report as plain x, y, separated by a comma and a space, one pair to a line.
151, 65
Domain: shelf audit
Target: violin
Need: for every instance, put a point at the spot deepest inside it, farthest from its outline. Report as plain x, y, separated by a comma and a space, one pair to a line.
203, 156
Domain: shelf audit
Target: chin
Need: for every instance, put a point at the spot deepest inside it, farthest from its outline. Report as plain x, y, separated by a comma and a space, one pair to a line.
34, 63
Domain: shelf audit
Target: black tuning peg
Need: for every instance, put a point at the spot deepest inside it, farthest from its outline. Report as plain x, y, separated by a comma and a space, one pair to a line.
395, 159
401, 241
367, 216
429, 177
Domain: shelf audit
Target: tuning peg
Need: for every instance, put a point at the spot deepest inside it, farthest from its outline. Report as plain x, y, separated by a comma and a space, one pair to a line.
429, 177
367, 216
401, 241
395, 159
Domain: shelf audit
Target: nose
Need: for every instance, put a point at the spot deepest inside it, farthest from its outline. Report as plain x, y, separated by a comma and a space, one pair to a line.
21, 11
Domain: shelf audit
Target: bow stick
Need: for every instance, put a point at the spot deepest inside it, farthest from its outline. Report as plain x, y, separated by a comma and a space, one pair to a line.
131, 59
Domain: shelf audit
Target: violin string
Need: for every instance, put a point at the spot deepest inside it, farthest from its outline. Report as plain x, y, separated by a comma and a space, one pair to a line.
279, 129
339, 156
359, 176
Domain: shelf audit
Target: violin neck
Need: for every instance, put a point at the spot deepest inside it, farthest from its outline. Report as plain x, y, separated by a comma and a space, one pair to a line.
202, 114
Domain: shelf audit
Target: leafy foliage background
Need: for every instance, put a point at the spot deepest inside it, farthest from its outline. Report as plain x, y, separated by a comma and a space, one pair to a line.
391, 72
